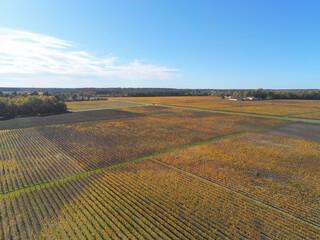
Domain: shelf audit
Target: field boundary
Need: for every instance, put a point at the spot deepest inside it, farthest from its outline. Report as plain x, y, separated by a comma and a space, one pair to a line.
225, 187
296, 119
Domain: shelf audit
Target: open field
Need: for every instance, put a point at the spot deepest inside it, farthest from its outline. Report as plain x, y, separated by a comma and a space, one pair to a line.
143, 201
283, 172
65, 118
268, 107
98, 105
34, 155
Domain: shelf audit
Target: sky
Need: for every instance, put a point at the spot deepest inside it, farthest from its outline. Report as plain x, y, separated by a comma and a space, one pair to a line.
245, 44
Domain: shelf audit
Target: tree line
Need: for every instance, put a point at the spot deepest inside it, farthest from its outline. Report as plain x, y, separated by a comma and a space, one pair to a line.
271, 94
32, 104
97, 94
83, 94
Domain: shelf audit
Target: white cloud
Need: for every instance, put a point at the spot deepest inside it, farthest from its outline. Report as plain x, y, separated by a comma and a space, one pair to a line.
25, 55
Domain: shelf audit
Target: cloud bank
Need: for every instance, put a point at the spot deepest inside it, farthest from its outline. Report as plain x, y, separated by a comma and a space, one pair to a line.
27, 56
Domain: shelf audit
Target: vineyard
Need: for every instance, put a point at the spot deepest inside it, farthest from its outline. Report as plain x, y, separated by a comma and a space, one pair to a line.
36, 121
291, 108
153, 172
34, 155
96, 105
312, 115
142, 201
283, 172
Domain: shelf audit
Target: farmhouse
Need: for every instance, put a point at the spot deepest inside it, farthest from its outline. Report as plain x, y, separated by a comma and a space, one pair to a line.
236, 99
252, 98
243, 99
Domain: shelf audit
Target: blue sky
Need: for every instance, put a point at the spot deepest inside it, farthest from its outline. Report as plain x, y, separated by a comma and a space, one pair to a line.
182, 44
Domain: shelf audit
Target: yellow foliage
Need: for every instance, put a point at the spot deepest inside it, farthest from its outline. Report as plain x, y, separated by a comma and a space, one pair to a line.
284, 172
269, 107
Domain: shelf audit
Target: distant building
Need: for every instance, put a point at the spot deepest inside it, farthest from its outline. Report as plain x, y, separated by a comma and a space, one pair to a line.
236, 99
242, 99
252, 98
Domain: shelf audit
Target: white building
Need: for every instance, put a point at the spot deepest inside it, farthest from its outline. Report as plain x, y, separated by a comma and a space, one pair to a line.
252, 98
236, 99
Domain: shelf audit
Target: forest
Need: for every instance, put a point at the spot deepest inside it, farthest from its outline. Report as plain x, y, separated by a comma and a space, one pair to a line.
32, 104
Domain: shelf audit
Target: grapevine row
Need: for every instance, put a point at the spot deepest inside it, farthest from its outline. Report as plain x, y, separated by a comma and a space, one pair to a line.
142, 201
